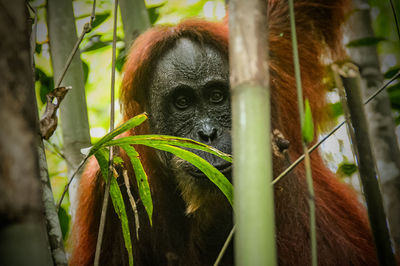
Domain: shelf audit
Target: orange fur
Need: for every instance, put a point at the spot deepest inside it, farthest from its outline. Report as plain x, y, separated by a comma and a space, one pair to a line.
344, 236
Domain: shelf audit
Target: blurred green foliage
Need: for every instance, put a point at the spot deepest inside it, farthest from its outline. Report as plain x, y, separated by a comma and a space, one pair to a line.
384, 26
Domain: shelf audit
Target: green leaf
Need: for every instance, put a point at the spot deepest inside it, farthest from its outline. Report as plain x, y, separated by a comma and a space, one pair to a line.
167, 143
131, 123
368, 41
117, 199
102, 159
120, 61
154, 12
391, 72
46, 84
100, 18
308, 125
119, 207
170, 140
64, 219
94, 46
393, 87
346, 169
118, 160
397, 120
394, 96
85, 70
38, 48
210, 171
141, 179
336, 109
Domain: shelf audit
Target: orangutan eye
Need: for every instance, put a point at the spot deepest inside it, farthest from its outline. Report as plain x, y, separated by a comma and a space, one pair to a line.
182, 102
216, 96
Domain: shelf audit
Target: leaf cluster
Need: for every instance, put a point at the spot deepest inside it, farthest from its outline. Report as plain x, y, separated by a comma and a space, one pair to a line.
165, 143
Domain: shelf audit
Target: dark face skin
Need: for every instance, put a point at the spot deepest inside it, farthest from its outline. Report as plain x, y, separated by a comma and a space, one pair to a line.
189, 97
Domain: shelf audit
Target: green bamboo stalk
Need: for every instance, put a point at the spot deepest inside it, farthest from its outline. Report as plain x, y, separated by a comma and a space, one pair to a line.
251, 131
310, 188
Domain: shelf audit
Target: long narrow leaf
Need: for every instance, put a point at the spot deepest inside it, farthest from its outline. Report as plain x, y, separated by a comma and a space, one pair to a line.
169, 140
141, 178
131, 123
119, 207
308, 124
102, 159
210, 171
117, 200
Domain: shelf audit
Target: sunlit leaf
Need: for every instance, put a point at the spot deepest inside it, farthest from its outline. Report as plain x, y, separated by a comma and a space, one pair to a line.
141, 178
119, 207
210, 171
131, 123
346, 169
170, 140
102, 159
94, 46
154, 12
336, 109
308, 125
100, 18
117, 200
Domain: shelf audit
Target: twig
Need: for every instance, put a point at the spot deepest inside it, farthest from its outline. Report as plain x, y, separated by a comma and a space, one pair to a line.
71, 55
310, 187
132, 201
395, 18
70, 181
57, 151
86, 29
225, 246
110, 172
102, 223
370, 98
50, 212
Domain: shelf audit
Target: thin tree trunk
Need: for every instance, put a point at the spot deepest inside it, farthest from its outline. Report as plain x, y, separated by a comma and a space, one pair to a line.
251, 131
135, 19
23, 238
372, 194
52, 221
379, 116
73, 110
53, 227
